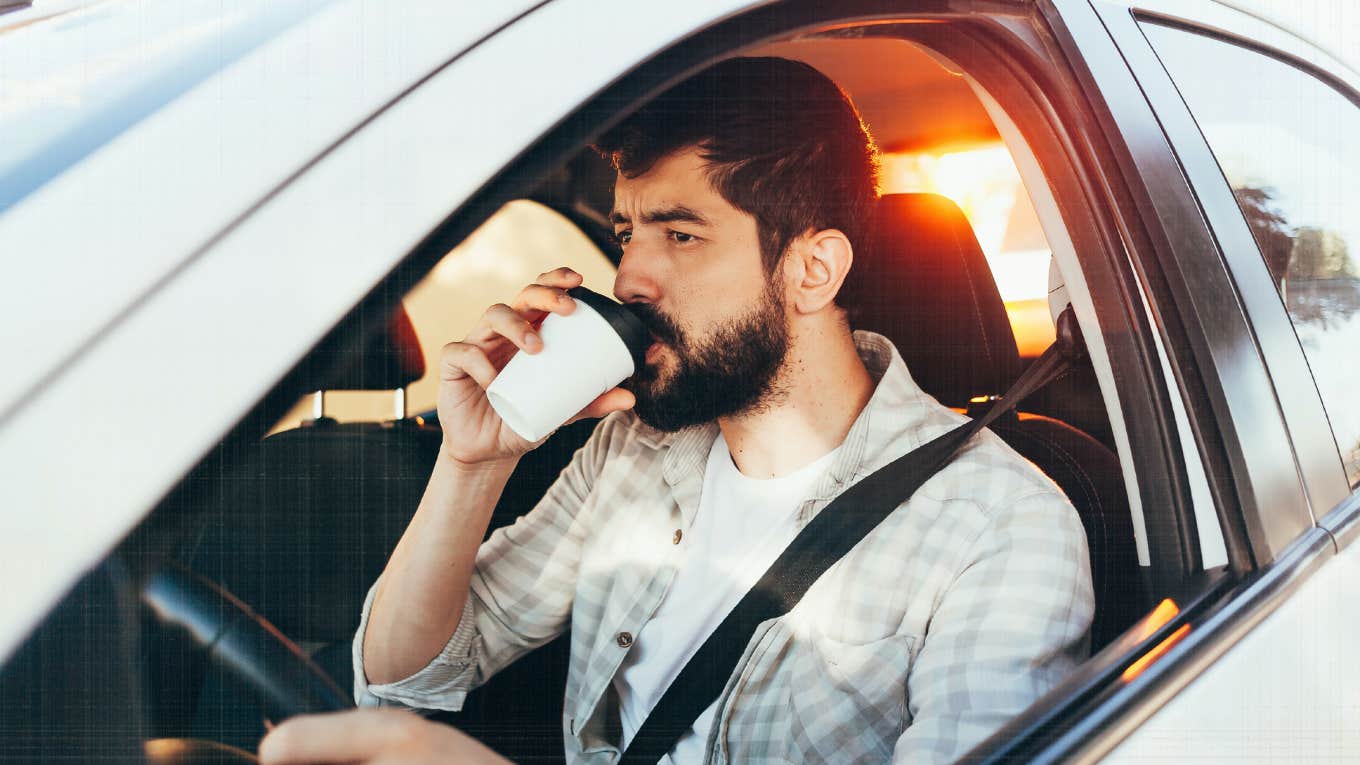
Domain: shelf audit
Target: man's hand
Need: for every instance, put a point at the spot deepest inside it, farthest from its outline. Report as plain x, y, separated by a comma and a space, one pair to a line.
372, 737
473, 432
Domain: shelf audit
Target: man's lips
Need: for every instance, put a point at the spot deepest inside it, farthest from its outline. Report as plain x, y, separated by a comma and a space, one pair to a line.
652, 351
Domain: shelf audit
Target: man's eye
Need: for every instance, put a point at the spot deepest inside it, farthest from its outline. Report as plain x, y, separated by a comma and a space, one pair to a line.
682, 238
622, 238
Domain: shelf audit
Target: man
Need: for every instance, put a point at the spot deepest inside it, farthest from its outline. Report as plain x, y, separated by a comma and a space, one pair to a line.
740, 195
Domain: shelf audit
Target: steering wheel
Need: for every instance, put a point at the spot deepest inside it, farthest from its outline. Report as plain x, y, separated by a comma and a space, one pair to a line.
228, 636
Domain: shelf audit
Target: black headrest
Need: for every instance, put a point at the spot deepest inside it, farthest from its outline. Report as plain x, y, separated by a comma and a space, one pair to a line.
390, 358
921, 280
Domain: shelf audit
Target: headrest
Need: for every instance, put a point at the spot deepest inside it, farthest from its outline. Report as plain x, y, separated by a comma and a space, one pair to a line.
388, 359
922, 281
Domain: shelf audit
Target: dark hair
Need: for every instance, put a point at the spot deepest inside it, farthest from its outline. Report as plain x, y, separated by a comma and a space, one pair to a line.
783, 144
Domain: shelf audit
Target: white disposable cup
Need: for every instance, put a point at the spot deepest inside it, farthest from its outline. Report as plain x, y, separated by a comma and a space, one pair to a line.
583, 355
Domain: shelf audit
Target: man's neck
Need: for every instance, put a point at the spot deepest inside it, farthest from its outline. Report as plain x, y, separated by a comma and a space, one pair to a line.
825, 386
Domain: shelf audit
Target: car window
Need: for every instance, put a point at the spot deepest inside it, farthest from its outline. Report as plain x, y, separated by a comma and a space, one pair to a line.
1285, 142
518, 242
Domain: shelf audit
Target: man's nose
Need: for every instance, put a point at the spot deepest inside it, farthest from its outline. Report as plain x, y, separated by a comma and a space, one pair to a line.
636, 280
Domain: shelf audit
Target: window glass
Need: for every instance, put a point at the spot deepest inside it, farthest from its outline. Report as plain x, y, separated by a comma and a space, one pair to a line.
1286, 142
522, 240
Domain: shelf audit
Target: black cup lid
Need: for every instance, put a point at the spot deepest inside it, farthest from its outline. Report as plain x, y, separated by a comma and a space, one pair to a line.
629, 327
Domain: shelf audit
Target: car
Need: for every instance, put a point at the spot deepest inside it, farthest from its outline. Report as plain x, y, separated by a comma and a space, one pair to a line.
218, 222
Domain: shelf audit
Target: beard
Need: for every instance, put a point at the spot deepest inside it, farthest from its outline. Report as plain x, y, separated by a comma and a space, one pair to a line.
732, 371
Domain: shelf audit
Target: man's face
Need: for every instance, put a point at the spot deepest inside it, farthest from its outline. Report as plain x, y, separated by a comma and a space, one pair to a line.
692, 271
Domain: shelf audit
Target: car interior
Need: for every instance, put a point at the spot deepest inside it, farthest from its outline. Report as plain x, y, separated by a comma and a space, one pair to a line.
236, 600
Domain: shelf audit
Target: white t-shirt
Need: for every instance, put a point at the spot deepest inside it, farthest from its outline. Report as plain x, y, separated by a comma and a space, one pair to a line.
740, 528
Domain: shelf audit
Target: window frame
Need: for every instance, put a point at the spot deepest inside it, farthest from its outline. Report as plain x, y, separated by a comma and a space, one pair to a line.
1232, 402
1042, 95
1299, 399
1220, 358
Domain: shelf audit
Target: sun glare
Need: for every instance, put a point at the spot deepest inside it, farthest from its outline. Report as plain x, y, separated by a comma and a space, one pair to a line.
985, 184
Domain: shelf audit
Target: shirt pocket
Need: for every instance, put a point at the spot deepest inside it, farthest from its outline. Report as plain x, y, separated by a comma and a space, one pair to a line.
847, 701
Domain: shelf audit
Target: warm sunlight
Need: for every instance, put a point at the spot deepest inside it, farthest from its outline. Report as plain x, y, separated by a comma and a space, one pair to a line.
984, 183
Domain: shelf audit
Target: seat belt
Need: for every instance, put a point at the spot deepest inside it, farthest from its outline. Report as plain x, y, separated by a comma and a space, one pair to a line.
817, 547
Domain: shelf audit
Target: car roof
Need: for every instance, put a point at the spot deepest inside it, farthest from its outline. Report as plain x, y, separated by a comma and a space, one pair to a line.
86, 251
119, 118
1334, 30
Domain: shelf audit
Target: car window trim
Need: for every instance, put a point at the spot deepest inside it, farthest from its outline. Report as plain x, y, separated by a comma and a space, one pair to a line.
1343, 522
1321, 469
1233, 407
1240, 28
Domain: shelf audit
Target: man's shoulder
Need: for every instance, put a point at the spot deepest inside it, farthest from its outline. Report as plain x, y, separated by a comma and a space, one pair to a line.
987, 479
993, 474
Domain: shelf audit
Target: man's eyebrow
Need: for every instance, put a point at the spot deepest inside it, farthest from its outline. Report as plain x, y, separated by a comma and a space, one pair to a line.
677, 213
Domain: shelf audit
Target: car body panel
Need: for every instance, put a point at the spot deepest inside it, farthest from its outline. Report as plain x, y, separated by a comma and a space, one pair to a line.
117, 220
1286, 692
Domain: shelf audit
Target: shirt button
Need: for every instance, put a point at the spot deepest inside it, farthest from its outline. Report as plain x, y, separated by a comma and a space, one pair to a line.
624, 639
675, 540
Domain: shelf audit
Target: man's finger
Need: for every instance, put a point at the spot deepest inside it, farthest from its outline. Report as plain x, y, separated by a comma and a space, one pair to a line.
611, 400
351, 736
540, 299
459, 359
560, 277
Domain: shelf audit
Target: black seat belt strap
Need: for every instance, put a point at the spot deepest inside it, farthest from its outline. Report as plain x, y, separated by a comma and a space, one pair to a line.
818, 546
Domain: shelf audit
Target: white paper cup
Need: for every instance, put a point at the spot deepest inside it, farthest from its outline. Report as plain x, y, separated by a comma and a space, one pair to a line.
595, 348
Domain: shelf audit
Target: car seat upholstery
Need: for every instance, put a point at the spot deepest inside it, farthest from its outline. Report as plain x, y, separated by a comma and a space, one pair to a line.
923, 282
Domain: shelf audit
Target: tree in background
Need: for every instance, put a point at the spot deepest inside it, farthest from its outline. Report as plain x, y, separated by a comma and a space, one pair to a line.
1312, 267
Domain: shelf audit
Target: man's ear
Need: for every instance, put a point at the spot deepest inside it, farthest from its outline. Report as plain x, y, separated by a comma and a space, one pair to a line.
818, 264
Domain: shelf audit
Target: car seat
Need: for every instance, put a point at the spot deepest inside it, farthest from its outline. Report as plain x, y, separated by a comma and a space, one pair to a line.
923, 282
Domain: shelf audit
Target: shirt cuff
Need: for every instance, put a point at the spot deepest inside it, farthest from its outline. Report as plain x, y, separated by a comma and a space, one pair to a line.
442, 684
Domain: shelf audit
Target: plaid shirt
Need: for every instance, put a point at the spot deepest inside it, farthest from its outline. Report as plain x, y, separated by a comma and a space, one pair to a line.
958, 611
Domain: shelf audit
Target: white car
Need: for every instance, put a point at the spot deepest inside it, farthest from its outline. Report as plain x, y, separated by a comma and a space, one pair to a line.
211, 212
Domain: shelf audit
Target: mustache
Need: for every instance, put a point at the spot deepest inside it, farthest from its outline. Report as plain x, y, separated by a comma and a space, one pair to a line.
662, 327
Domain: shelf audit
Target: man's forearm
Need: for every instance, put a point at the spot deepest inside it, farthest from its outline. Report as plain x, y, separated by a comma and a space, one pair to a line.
424, 587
